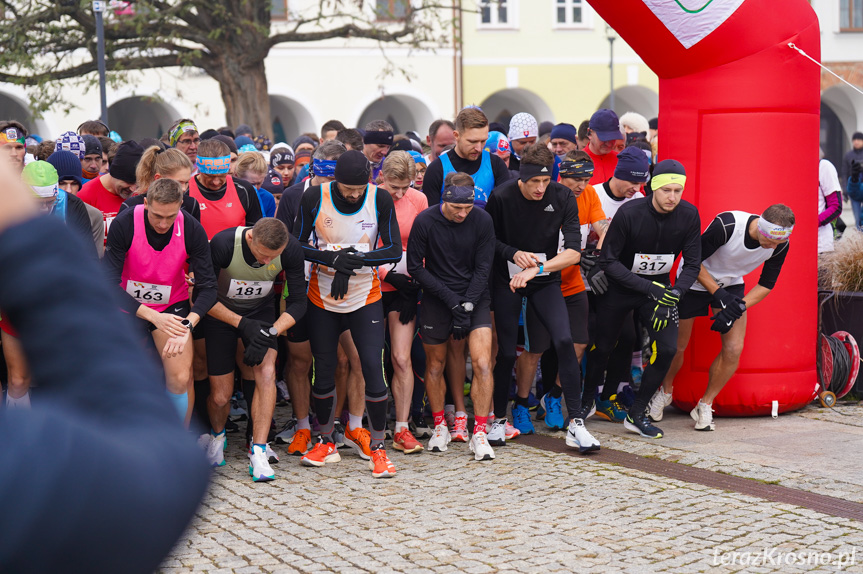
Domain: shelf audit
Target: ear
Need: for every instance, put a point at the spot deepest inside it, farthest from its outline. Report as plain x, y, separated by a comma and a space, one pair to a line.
157, 176
146, 204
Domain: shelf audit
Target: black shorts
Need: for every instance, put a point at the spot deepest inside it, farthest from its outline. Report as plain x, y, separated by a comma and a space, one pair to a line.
536, 337
698, 303
222, 340
392, 302
181, 309
435, 318
299, 332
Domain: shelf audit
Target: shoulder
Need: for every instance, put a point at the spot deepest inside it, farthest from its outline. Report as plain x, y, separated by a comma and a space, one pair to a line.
224, 236
417, 198
687, 208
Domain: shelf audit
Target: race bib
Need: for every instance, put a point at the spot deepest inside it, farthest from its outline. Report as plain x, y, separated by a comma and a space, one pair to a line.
515, 269
361, 247
240, 289
109, 219
148, 293
652, 263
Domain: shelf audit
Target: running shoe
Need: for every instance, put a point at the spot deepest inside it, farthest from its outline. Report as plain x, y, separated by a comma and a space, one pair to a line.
419, 427
440, 439
497, 435
259, 466
553, 412
339, 434
656, 407
272, 457
360, 440
480, 448
286, 435
459, 429
610, 410
282, 394
380, 465
511, 431
532, 401
702, 414
216, 450
521, 420
577, 436
231, 426
238, 412
449, 417
641, 424
405, 442
301, 442
322, 453
388, 432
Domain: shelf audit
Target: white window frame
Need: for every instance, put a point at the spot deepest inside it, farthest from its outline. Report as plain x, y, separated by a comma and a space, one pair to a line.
586, 16
511, 16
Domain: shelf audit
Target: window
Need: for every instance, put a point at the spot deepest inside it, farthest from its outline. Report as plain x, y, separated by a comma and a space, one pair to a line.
851, 15
497, 14
569, 12
279, 10
391, 10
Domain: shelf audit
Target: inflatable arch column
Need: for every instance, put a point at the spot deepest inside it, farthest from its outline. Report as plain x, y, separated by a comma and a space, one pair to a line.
740, 109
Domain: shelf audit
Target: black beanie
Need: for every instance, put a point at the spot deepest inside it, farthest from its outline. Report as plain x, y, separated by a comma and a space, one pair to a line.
92, 145
126, 162
669, 166
353, 168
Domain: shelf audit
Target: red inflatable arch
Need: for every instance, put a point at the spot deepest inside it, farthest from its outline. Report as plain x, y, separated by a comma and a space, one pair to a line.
741, 110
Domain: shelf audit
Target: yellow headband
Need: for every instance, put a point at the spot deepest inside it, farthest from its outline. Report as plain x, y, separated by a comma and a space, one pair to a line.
666, 178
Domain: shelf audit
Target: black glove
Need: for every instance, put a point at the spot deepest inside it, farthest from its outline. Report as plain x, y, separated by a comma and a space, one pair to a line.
597, 280
856, 171
408, 306
400, 281
725, 318
257, 348
339, 288
732, 303
665, 296
251, 328
460, 322
662, 316
589, 259
347, 260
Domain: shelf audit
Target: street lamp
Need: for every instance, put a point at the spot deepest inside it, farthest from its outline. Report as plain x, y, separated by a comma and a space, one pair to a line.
98, 9
612, 36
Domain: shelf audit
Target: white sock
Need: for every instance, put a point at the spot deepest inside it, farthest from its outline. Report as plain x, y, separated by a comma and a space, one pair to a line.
400, 426
460, 414
355, 421
303, 423
19, 403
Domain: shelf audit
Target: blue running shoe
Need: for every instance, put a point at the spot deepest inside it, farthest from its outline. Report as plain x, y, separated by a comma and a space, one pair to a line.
610, 410
553, 412
532, 401
521, 419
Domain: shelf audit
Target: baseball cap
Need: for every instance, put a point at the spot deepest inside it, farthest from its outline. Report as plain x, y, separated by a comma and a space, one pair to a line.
606, 125
42, 178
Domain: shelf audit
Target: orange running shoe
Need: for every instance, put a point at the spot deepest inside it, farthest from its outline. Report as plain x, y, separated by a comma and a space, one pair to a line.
459, 429
323, 453
380, 465
405, 442
301, 442
360, 440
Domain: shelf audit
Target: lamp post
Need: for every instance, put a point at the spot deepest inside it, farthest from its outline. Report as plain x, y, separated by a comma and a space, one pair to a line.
612, 36
98, 9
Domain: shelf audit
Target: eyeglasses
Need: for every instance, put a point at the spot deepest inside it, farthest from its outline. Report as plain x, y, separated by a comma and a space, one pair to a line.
189, 141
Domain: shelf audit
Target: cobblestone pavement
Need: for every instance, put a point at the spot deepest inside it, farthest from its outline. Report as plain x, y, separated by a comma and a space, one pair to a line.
527, 511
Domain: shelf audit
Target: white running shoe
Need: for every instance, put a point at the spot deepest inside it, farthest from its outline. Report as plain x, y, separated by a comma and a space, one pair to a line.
480, 448
216, 450
657, 404
702, 414
259, 465
272, 457
22, 402
497, 434
440, 439
577, 436
286, 435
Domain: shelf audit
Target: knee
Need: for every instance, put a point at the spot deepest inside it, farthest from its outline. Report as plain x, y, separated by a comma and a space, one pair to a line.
401, 362
220, 396
731, 350
434, 367
665, 351
481, 367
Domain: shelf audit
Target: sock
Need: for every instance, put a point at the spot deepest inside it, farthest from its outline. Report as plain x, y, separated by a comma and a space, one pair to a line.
303, 423
217, 434
439, 418
263, 447
449, 408
521, 401
479, 424
355, 421
400, 426
491, 415
460, 414
556, 392
180, 402
636, 359
200, 416
24, 402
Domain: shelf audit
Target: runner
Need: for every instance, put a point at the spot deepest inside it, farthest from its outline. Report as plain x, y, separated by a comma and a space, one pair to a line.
183, 135
529, 214
604, 134
247, 262
644, 238
146, 256
377, 141
450, 251
91, 165
108, 192
733, 245
12, 138
347, 217
523, 131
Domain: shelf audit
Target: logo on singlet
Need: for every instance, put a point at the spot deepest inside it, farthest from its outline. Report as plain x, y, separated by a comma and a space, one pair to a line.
328, 222
229, 205
203, 205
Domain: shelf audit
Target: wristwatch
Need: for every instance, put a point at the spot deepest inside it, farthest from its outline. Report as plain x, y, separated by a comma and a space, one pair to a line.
541, 265
467, 306
187, 324
273, 332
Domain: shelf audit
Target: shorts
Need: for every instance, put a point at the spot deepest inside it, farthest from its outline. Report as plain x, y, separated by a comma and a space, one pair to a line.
299, 332
435, 318
181, 309
697, 303
222, 340
536, 337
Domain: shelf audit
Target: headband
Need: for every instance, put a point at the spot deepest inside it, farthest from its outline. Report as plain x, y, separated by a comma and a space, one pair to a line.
378, 137
458, 194
576, 169
182, 127
11, 135
324, 167
281, 157
529, 170
773, 231
666, 178
214, 165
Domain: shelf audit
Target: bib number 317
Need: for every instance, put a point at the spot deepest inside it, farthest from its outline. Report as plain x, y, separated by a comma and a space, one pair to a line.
652, 263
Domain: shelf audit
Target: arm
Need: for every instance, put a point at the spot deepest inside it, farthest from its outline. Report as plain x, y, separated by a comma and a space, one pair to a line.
305, 224
118, 244
416, 267
201, 264
691, 256
388, 232
433, 182
755, 295
294, 292
832, 210
482, 263
501, 249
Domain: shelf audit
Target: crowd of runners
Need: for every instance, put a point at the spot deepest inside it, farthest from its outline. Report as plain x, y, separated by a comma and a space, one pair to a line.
389, 286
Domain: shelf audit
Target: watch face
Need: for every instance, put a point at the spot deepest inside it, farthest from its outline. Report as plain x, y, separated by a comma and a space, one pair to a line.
468, 307
273, 331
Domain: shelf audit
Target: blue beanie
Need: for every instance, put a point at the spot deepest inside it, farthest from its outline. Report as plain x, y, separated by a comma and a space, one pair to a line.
632, 165
244, 140
565, 132
67, 164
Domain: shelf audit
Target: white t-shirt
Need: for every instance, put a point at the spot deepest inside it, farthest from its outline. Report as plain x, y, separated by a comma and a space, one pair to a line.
828, 183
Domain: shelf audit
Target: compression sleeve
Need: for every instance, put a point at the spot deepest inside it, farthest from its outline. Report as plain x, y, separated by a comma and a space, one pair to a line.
772, 267
201, 264
388, 232
310, 204
482, 262
717, 234
294, 292
571, 226
833, 209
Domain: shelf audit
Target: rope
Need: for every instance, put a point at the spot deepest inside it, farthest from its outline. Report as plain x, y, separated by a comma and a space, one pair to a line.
794, 47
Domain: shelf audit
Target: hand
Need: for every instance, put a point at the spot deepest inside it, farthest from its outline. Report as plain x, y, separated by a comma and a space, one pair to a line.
190, 279
662, 316
589, 259
409, 307
734, 305
597, 280
251, 328
524, 259
724, 319
400, 281
16, 200
347, 260
520, 279
257, 350
665, 296
169, 324
175, 345
460, 323
856, 171
339, 288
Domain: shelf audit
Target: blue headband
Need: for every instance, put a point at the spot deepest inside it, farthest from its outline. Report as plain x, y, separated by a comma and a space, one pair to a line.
214, 165
324, 167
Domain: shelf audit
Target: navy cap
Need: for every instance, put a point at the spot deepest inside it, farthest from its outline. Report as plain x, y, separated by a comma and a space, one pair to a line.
565, 132
606, 125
